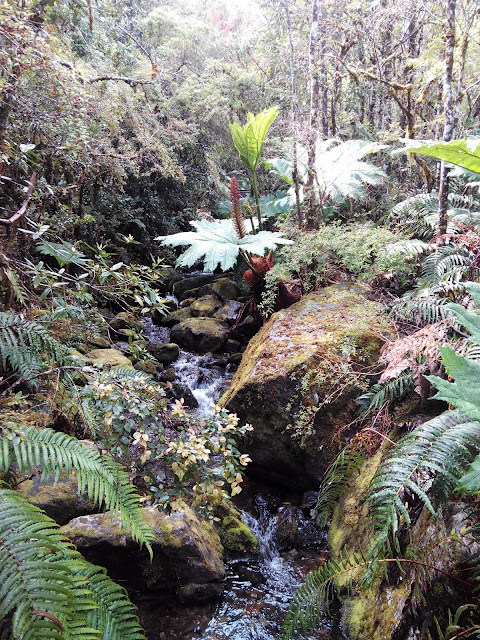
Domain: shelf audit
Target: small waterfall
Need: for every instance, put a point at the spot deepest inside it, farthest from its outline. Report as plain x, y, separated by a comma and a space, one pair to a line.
205, 377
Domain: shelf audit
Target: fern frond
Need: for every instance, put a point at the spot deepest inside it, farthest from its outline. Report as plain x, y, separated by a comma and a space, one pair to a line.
422, 308
101, 478
334, 484
36, 578
318, 591
449, 263
18, 290
408, 249
26, 346
48, 590
380, 394
442, 447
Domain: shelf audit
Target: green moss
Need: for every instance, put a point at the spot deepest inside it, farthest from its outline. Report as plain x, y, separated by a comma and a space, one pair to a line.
236, 536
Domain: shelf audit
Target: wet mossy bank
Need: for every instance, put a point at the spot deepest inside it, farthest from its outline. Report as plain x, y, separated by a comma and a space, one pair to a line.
299, 378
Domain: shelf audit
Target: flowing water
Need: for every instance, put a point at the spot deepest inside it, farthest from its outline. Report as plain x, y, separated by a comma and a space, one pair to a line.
257, 588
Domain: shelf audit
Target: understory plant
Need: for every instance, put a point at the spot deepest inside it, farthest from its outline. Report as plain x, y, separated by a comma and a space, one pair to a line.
438, 460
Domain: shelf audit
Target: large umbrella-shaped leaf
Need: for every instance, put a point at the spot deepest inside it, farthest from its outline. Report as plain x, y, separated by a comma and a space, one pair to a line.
250, 137
217, 243
463, 153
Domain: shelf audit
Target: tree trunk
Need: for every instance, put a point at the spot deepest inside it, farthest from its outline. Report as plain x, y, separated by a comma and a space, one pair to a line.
449, 116
312, 134
294, 126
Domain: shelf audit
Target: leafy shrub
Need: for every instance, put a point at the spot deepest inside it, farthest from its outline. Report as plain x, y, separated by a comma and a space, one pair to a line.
318, 257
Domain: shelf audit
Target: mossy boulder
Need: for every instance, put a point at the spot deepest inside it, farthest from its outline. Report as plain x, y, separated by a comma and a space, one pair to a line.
171, 319
187, 551
225, 289
200, 334
98, 341
110, 357
181, 287
298, 381
125, 321
234, 533
59, 500
205, 306
164, 352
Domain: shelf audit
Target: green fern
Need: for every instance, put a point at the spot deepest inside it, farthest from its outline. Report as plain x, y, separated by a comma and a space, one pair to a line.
48, 590
381, 394
101, 478
26, 346
449, 263
334, 484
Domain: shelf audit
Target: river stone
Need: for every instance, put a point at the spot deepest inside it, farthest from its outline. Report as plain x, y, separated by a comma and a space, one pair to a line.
225, 289
169, 306
111, 357
200, 334
60, 501
187, 550
175, 317
179, 391
193, 282
205, 306
125, 321
228, 312
234, 533
193, 294
291, 366
169, 276
98, 341
166, 353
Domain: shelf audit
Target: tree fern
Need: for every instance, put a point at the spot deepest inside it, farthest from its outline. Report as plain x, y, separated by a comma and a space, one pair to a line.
101, 478
25, 346
48, 590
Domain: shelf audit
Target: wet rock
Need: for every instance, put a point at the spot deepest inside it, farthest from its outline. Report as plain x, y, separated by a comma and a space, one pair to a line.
187, 550
125, 322
228, 312
165, 353
301, 357
235, 358
109, 357
148, 366
309, 499
179, 391
232, 346
168, 375
205, 306
186, 303
225, 289
200, 334
176, 317
169, 277
169, 306
60, 501
234, 533
193, 282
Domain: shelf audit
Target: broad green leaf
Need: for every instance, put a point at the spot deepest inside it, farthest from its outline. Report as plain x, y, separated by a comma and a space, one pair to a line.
463, 153
463, 394
340, 172
468, 320
470, 482
217, 243
250, 137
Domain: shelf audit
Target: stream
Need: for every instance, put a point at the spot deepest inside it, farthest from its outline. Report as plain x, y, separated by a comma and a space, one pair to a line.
257, 588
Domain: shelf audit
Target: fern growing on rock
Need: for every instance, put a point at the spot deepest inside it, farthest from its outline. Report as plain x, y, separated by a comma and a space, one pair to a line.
425, 467
49, 590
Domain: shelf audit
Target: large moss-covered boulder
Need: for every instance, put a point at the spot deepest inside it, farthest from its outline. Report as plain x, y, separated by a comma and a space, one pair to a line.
60, 500
200, 334
164, 352
110, 357
187, 553
299, 378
